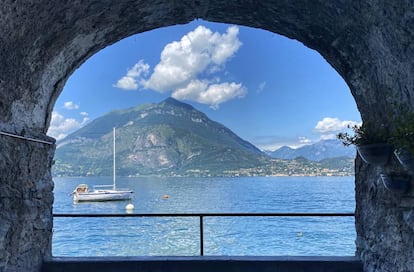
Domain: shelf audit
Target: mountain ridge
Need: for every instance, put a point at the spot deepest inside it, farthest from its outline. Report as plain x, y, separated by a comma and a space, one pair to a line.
172, 138
318, 151
164, 138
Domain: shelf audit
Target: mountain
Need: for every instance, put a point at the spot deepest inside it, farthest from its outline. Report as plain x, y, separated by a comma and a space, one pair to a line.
316, 152
168, 138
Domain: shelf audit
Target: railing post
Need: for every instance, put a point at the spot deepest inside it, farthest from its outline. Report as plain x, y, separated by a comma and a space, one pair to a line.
201, 236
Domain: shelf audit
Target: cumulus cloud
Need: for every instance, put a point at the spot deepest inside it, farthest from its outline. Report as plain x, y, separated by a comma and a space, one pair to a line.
60, 126
184, 65
328, 127
199, 50
131, 80
127, 83
331, 125
70, 105
212, 95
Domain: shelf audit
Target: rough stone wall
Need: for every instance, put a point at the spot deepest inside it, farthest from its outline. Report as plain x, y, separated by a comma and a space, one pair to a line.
26, 200
369, 42
385, 221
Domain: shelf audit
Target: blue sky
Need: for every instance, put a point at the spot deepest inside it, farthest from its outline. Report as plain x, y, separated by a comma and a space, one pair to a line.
268, 89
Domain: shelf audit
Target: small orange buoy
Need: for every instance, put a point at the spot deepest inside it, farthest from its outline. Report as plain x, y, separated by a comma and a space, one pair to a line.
165, 196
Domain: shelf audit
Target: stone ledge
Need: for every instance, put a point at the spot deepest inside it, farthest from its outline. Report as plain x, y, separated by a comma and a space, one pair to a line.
205, 263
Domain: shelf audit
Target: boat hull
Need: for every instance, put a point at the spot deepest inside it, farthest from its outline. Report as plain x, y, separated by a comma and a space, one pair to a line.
103, 195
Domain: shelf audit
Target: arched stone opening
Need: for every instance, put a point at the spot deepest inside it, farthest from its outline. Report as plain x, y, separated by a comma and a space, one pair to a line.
369, 43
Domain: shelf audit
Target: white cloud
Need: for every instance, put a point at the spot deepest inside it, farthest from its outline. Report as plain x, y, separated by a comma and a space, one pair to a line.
198, 51
304, 140
327, 137
127, 83
224, 46
330, 125
184, 65
131, 80
191, 91
60, 126
261, 86
70, 105
85, 120
139, 69
212, 95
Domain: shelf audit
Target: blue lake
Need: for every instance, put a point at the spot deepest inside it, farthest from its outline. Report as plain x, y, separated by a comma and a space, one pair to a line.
179, 236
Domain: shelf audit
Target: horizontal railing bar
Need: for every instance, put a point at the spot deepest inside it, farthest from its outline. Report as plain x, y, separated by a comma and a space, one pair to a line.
312, 214
25, 138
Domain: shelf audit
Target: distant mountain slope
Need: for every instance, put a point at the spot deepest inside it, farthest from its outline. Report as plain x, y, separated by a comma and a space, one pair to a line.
168, 138
315, 152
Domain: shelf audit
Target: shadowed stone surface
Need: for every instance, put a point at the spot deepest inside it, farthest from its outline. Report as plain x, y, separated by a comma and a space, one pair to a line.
370, 43
26, 200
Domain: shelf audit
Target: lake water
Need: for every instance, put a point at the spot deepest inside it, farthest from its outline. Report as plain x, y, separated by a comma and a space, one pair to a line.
179, 236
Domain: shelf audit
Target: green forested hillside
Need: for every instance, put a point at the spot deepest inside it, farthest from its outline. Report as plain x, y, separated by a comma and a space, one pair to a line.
169, 138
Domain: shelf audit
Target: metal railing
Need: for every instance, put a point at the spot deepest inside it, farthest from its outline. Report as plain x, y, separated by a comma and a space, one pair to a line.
201, 216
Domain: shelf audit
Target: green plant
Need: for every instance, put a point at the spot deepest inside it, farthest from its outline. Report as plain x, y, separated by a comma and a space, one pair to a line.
367, 133
402, 135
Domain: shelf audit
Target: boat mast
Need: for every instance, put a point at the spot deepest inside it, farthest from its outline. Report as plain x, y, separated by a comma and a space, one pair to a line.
114, 179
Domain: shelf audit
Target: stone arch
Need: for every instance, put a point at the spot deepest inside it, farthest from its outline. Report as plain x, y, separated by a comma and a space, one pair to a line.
369, 43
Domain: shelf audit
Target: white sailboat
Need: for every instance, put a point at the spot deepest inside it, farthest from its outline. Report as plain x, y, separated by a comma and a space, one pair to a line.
99, 192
